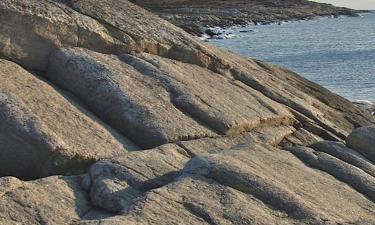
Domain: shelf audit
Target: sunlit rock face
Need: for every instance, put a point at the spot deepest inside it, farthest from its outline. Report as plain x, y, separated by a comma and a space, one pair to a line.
112, 115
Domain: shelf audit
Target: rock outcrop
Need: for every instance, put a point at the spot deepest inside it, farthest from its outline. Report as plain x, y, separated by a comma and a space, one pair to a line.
244, 185
238, 185
148, 125
344, 163
52, 200
154, 100
195, 16
45, 130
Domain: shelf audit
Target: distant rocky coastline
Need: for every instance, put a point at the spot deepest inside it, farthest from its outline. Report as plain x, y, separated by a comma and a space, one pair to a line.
195, 16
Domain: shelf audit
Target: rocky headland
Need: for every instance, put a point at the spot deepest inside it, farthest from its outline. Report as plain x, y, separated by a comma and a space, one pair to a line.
196, 16
111, 115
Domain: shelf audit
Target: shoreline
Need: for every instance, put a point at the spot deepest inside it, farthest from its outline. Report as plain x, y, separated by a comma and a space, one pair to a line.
366, 106
194, 16
256, 34
223, 32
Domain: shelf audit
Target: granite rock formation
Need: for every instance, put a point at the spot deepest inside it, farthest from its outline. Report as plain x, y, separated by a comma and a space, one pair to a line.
112, 115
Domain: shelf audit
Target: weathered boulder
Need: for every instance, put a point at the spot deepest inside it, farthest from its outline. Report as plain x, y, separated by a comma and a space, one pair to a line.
363, 141
45, 131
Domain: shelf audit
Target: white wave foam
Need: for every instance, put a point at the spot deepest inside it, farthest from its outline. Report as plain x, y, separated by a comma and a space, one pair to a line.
365, 102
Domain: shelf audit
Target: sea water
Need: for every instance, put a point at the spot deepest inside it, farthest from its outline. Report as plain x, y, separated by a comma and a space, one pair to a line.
338, 53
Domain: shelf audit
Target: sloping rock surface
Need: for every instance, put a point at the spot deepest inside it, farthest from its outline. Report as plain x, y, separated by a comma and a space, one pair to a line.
49, 26
322, 112
159, 100
230, 140
255, 184
52, 200
240, 185
46, 131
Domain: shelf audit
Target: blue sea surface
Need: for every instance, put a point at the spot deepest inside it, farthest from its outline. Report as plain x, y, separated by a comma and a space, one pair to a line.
338, 53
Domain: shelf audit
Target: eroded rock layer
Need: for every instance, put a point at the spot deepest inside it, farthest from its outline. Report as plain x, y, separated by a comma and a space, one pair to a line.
161, 128
45, 130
